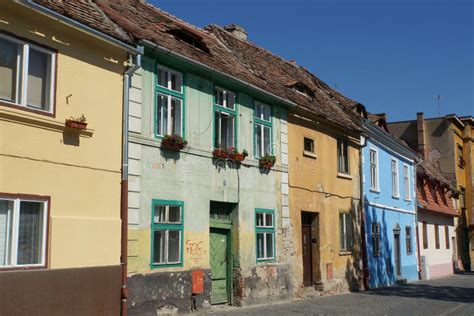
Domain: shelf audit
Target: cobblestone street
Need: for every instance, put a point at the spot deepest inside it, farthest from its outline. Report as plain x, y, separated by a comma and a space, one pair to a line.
448, 296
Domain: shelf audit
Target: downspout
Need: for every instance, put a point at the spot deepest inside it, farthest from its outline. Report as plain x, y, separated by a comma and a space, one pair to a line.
415, 200
124, 183
365, 265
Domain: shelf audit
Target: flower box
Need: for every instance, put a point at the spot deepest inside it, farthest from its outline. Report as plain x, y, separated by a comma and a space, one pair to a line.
219, 153
174, 142
76, 124
267, 162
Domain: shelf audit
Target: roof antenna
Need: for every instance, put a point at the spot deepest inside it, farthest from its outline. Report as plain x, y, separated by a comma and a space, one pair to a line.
439, 104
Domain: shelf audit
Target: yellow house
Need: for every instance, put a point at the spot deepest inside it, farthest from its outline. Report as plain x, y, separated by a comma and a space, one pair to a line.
60, 181
324, 186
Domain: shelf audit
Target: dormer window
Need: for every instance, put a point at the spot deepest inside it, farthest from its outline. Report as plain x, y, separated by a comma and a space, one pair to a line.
189, 38
303, 89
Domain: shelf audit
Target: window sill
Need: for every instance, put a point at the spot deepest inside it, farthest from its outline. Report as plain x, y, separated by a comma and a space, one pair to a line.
309, 154
396, 197
25, 108
374, 190
163, 266
344, 176
19, 115
21, 268
263, 261
345, 253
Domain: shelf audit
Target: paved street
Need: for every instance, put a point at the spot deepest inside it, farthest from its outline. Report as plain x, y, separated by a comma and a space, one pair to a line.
447, 296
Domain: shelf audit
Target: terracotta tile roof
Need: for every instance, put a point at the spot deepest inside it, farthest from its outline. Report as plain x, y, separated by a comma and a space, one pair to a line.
431, 188
87, 13
216, 48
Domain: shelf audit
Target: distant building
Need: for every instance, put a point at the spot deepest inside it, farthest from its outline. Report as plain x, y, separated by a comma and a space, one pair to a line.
436, 220
447, 143
390, 208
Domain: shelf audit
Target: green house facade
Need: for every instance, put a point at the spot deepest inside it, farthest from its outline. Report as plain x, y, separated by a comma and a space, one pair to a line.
193, 213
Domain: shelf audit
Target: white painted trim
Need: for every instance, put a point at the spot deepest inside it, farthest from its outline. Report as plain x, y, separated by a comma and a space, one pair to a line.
395, 193
401, 210
375, 188
409, 197
168, 78
13, 251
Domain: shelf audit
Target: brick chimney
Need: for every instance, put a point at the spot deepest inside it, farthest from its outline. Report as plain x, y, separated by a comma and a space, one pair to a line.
237, 31
420, 128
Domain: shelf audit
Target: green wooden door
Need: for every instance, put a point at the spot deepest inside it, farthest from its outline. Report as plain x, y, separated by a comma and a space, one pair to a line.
219, 265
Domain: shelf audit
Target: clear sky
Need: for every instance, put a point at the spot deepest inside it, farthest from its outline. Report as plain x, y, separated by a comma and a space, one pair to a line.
393, 56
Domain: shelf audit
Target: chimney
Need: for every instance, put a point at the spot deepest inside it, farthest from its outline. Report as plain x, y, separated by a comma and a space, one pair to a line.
420, 128
237, 31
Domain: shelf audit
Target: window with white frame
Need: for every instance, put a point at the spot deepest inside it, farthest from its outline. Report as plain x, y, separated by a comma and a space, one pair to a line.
374, 181
395, 185
265, 230
26, 74
167, 232
345, 227
169, 102
22, 232
225, 116
263, 130
406, 182
342, 156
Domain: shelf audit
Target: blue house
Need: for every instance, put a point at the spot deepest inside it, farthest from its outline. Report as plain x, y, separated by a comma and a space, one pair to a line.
389, 206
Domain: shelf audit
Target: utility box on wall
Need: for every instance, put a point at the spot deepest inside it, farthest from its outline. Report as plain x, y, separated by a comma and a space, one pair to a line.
197, 277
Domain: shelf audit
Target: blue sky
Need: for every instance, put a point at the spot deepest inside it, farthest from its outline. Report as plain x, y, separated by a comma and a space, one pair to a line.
393, 56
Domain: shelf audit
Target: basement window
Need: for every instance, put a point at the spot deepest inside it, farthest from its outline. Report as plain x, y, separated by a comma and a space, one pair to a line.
376, 239
189, 38
26, 74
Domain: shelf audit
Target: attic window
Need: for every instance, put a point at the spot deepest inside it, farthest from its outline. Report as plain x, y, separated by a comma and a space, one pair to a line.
303, 89
189, 38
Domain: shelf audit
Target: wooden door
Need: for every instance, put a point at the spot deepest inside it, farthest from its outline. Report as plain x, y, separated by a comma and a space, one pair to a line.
307, 256
219, 249
397, 254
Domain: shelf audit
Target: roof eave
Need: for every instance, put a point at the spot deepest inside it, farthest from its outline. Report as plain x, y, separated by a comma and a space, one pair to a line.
79, 26
168, 51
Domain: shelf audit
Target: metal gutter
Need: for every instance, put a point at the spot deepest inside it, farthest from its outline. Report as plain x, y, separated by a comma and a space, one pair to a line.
79, 26
365, 264
216, 71
124, 182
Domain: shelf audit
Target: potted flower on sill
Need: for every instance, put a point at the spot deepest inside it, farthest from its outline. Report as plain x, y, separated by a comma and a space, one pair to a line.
77, 123
267, 161
219, 153
174, 142
236, 156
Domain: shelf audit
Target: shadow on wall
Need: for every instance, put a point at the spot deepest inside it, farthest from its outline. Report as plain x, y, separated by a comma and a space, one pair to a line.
381, 268
425, 291
354, 273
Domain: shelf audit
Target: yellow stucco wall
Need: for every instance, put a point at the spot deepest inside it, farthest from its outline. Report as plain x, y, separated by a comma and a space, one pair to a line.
80, 172
307, 175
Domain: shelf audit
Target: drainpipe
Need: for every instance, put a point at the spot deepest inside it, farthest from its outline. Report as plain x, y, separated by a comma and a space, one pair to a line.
365, 265
124, 182
415, 200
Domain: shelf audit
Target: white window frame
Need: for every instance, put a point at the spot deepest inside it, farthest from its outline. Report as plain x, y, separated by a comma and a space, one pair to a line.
169, 97
395, 178
21, 93
168, 80
345, 244
166, 226
13, 252
259, 121
225, 92
406, 182
376, 236
374, 186
270, 232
